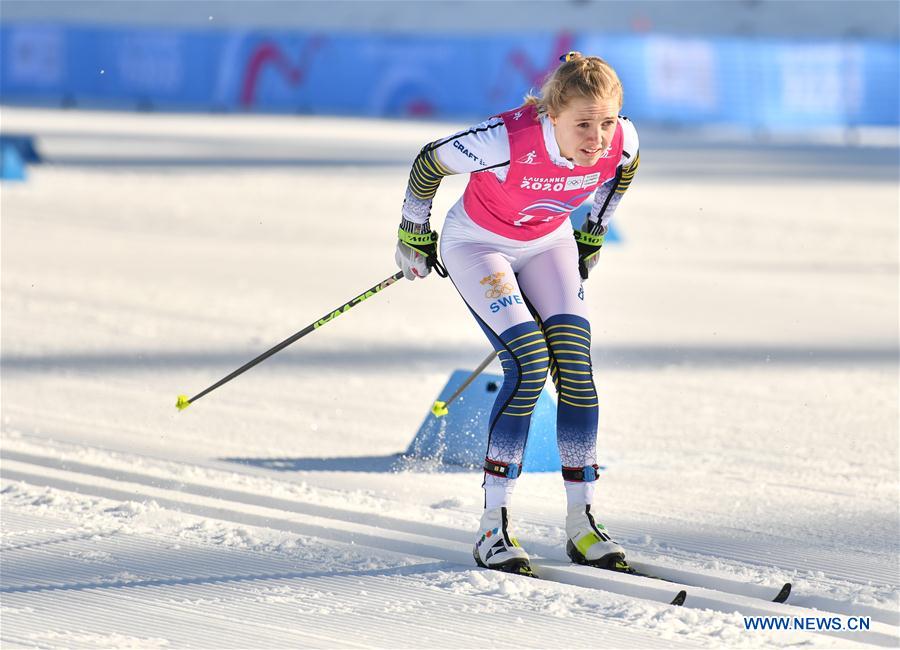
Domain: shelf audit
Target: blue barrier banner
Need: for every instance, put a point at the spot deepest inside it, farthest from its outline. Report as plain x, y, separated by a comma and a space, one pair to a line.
768, 83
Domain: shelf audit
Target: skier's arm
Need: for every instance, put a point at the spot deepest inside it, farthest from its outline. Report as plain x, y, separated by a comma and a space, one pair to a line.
484, 146
606, 200
608, 195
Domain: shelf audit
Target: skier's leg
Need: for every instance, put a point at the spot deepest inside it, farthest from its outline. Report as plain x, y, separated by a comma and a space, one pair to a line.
486, 282
553, 285
551, 281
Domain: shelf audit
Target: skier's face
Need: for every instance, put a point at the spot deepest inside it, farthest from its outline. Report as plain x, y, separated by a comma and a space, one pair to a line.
585, 127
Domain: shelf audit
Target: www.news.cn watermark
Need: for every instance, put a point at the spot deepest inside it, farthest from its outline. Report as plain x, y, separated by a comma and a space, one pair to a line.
810, 623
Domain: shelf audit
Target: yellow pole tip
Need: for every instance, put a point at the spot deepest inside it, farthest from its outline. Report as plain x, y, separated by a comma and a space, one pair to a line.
182, 403
439, 409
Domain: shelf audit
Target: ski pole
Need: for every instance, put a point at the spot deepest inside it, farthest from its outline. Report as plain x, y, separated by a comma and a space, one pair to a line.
183, 402
440, 408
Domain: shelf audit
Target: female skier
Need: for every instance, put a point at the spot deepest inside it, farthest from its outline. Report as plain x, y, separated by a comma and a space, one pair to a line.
507, 245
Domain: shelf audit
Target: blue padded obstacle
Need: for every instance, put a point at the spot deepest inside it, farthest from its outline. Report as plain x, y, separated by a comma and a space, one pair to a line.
12, 167
24, 144
460, 437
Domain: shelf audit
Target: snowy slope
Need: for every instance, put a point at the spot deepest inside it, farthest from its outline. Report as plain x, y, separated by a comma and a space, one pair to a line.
746, 354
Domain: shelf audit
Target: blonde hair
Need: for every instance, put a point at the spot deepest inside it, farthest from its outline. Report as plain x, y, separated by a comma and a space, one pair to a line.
578, 76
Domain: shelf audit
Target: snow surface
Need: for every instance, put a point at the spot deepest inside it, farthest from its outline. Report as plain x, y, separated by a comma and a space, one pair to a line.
746, 358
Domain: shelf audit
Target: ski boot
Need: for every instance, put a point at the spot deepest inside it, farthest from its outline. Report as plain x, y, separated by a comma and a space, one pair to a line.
496, 549
589, 542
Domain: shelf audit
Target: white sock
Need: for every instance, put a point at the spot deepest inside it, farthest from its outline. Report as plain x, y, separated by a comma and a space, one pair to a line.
579, 492
497, 491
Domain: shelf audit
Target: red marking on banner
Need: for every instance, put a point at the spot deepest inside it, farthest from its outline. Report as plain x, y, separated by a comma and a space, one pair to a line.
420, 108
267, 54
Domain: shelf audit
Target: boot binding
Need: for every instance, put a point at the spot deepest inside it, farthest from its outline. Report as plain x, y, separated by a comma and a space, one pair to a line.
608, 561
517, 566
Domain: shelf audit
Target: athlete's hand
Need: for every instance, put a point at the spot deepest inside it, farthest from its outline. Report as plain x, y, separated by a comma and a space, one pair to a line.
411, 261
416, 252
588, 251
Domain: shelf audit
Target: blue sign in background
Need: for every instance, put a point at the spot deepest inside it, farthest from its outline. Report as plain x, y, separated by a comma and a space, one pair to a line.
755, 82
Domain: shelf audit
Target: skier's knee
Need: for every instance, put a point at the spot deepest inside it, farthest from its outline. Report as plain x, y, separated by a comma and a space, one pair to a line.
525, 361
569, 340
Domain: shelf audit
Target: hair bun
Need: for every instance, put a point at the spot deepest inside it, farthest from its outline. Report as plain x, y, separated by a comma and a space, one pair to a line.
570, 56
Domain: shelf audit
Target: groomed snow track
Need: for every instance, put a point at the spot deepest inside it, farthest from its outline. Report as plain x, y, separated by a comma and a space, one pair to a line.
428, 548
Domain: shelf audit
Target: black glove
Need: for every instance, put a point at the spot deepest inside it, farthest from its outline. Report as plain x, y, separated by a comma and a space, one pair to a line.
589, 246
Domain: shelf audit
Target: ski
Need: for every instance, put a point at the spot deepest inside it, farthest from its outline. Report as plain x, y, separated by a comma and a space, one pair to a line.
587, 576
524, 568
783, 593
624, 567
679, 599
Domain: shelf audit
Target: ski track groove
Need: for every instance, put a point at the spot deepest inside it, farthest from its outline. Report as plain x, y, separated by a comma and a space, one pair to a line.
839, 565
397, 539
140, 556
257, 608
96, 597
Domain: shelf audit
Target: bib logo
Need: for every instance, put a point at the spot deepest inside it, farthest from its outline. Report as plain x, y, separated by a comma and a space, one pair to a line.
579, 182
546, 209
555, 183
528, 158
500, 292
581, 292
